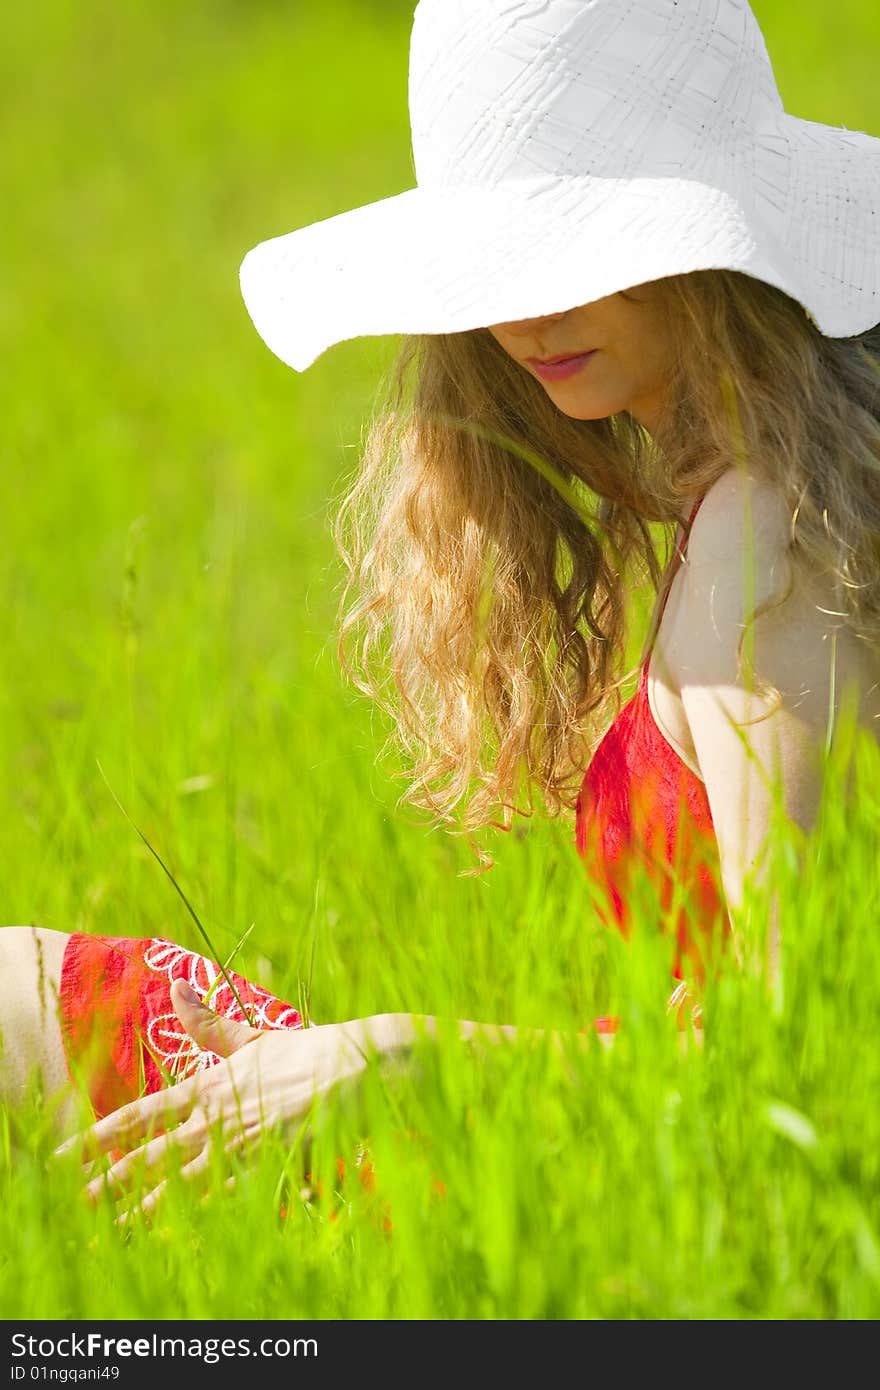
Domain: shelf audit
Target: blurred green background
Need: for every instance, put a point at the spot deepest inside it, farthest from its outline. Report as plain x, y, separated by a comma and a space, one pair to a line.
168, 582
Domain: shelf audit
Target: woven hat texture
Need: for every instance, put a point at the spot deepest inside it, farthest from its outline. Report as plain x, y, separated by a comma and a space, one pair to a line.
568, 149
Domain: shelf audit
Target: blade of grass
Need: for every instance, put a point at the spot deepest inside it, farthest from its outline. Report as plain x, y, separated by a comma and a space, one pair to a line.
215, 955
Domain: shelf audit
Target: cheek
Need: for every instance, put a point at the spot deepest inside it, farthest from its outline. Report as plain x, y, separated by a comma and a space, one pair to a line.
654, 336
637, 354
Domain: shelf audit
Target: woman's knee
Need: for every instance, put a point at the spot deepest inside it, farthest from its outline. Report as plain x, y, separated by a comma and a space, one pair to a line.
31, 1045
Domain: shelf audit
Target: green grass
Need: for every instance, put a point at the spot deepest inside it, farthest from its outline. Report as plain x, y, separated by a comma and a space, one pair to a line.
168, 591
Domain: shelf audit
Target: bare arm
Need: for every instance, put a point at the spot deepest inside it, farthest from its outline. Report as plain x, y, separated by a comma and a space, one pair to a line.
270, 1078
735, 562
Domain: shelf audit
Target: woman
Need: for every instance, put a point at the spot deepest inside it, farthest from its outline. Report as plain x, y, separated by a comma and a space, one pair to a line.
634, 290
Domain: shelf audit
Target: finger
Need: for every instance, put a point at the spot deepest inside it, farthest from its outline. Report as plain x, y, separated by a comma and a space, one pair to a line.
188, 1147
146, 1206
151, 1201
188, 1172
130, 1123
212, 1032
182, 1143
229, 1185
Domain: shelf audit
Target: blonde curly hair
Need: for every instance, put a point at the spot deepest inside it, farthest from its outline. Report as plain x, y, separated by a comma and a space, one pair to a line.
490, 542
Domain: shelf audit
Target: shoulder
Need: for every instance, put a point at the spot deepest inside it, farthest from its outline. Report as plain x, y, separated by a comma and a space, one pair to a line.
741, 512
736, 563
736, 559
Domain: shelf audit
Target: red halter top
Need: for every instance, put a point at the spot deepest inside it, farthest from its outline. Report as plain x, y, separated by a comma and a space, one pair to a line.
643, 817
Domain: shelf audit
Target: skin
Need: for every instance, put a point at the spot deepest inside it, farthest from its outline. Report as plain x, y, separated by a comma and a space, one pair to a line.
630, 369
275, 1077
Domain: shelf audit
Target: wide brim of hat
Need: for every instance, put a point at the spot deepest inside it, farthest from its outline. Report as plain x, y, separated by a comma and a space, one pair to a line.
798, 208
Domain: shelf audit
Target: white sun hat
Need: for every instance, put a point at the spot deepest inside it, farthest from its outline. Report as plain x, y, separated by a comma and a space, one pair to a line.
568, 149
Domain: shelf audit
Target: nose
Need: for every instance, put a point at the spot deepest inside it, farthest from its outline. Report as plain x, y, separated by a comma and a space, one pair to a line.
523, 327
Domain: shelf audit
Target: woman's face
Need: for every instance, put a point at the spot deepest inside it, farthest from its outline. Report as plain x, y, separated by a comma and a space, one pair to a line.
628, 369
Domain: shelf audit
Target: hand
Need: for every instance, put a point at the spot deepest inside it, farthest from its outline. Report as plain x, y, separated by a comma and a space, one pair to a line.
269, 1077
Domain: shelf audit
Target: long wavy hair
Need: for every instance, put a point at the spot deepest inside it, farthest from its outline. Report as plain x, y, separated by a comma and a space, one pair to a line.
490, 542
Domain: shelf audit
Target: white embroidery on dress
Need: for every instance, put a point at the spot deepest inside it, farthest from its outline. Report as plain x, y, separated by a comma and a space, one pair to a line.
175, 1052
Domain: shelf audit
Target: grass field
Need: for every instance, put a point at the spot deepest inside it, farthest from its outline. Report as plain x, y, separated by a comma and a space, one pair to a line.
168, 590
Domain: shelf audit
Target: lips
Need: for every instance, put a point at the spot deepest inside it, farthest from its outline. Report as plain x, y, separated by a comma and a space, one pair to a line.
560, 357
562, 366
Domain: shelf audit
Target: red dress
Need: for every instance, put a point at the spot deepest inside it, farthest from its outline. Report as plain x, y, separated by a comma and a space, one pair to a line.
643, 819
